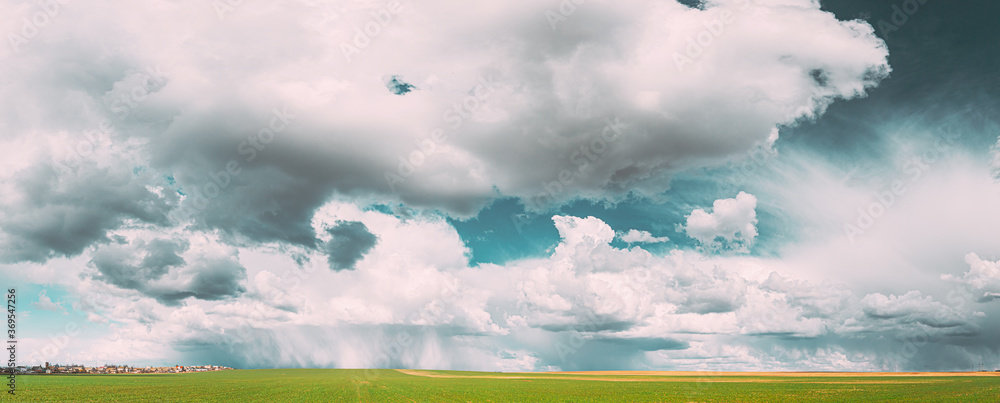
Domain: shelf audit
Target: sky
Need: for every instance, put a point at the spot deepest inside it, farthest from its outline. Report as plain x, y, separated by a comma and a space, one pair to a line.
547, 185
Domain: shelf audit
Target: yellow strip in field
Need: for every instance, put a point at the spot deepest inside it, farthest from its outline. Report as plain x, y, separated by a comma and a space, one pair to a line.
779, 374
653, 376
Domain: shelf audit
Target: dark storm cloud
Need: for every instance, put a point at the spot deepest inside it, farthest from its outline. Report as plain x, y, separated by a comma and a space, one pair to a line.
278, 212
351, 241
712, 304
942, 59
571, 353
213, 280
158, 256
525, 105
646, 343
553, 87
913, 315
609, 324
163, 253
61, 214
382, 346
142, 266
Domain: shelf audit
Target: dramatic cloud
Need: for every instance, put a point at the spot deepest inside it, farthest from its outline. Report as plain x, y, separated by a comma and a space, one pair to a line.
910, 308
158, 269
584, 105
279, 185
134, 266
48, 213
413, 301
732, 220
211, 280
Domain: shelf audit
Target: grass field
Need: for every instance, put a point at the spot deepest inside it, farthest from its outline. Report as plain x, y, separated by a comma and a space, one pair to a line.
322, 385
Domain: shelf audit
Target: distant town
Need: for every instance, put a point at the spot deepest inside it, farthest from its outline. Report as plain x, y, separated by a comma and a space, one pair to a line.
113, 369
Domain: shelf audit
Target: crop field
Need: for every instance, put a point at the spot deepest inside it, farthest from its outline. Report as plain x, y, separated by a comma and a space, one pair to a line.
321, 385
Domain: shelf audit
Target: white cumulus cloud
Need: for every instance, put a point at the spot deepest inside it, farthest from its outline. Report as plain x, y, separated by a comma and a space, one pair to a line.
983, 278
637, 236
733, 220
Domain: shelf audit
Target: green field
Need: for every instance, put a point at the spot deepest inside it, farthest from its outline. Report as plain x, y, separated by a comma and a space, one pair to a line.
320, 385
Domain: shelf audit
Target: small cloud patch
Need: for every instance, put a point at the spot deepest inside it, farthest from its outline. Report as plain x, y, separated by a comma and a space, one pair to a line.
45, 303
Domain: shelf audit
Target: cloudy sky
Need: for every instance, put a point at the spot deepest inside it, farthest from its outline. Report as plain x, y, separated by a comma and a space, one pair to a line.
496, 185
